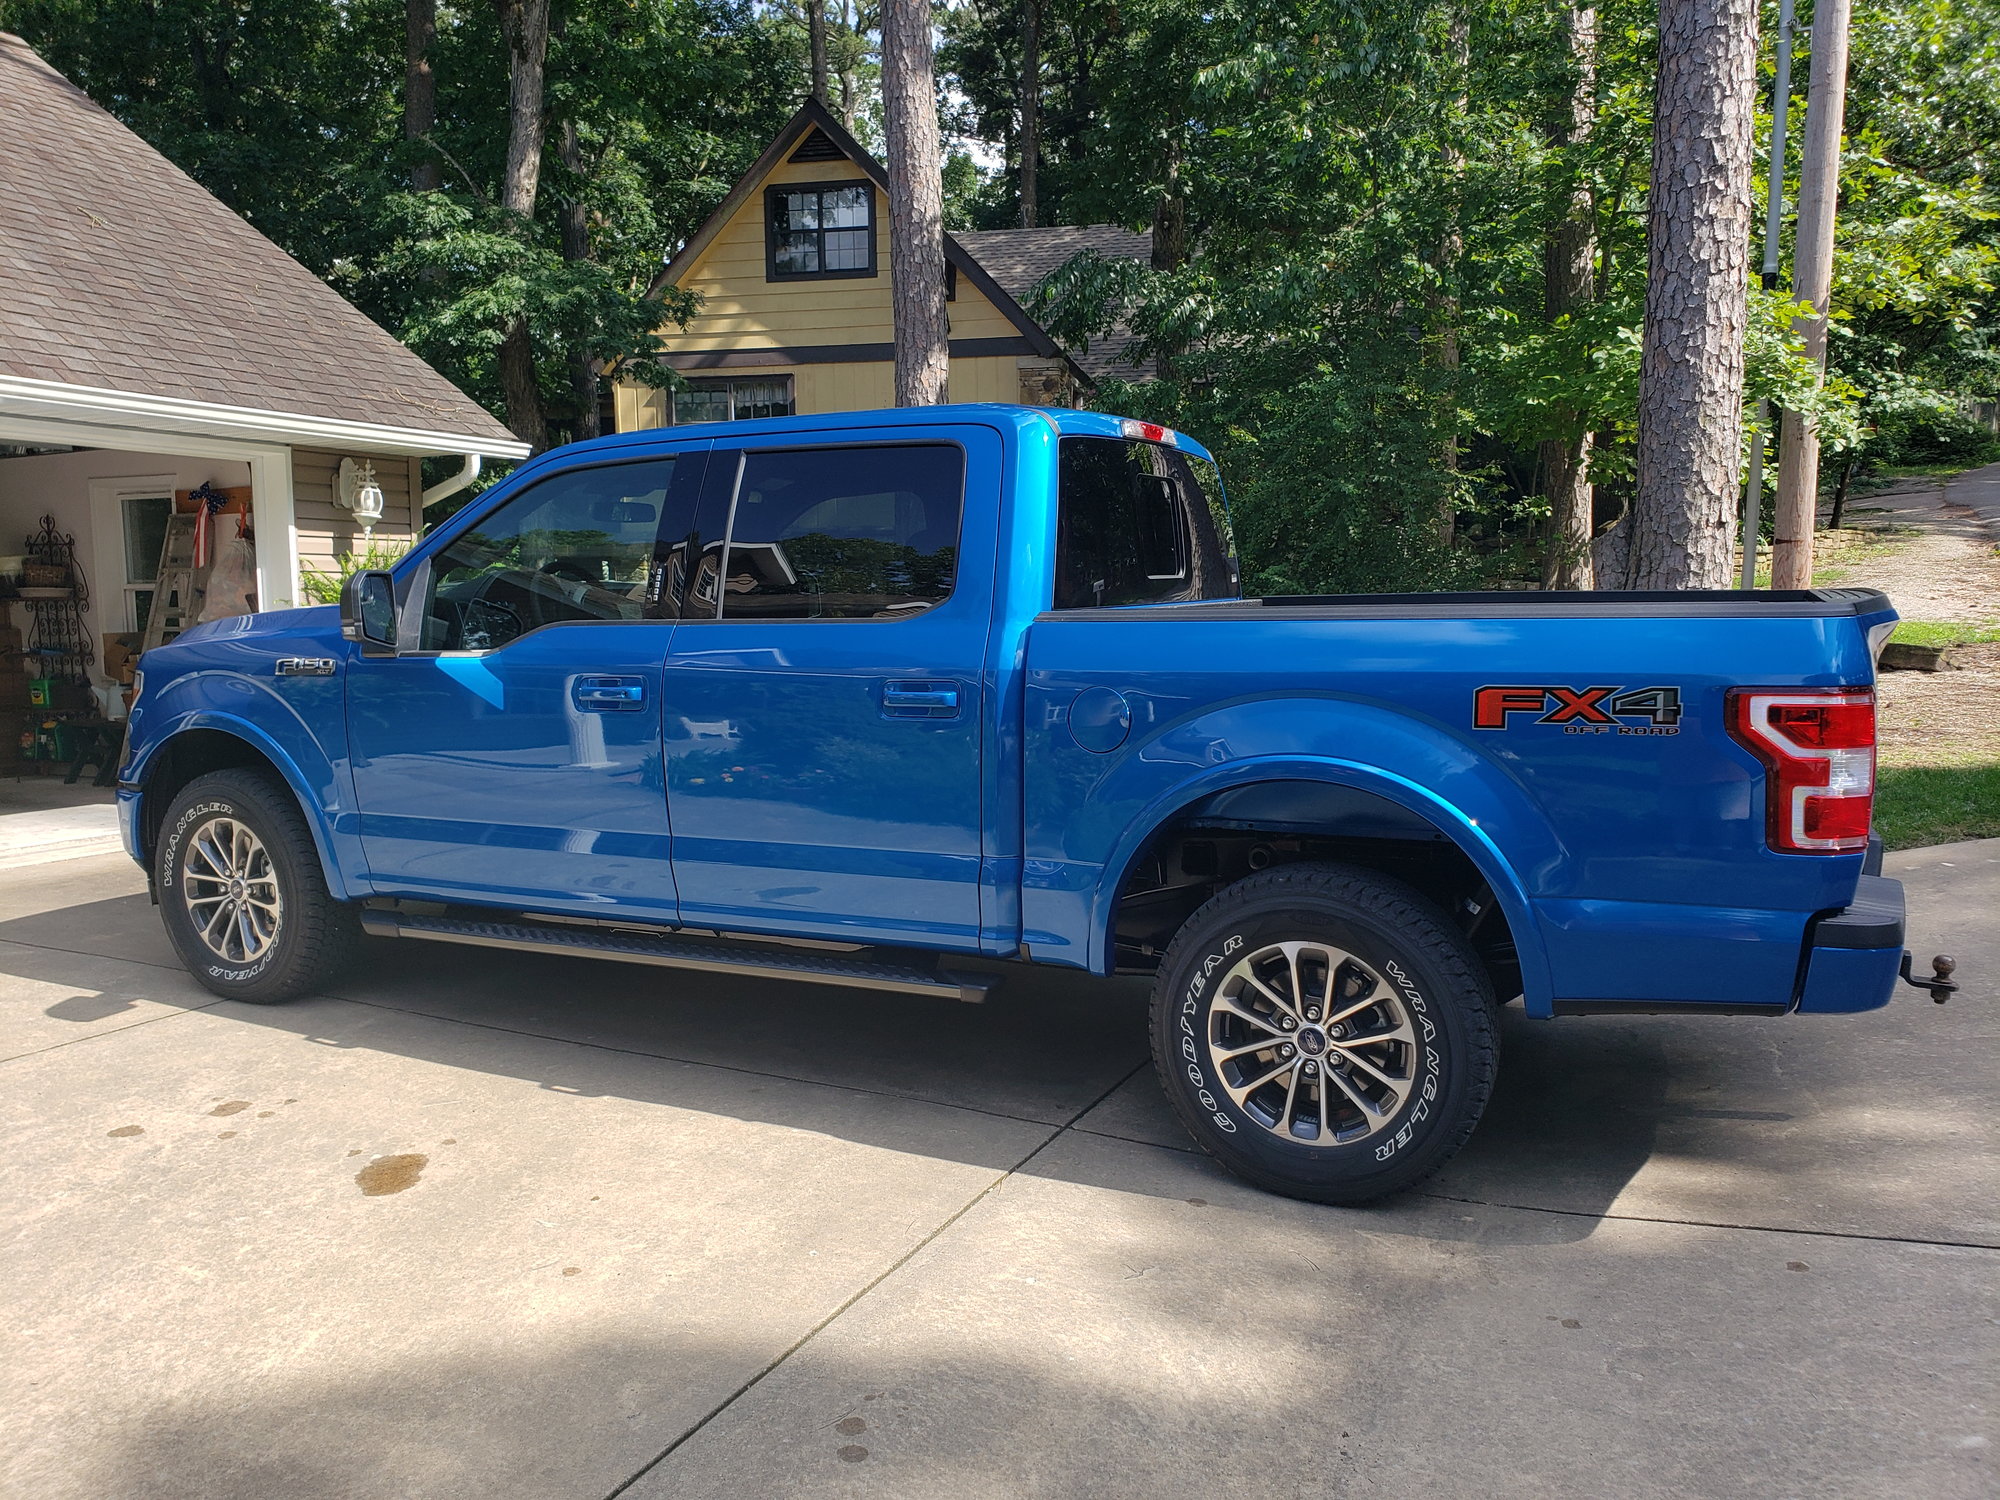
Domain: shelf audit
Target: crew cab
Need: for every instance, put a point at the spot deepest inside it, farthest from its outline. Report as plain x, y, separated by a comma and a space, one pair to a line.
862, 698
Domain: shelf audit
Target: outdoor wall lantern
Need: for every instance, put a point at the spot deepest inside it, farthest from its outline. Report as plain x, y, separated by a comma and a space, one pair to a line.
358, 491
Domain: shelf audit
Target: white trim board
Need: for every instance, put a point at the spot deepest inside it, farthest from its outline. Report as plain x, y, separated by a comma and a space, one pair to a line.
142, 419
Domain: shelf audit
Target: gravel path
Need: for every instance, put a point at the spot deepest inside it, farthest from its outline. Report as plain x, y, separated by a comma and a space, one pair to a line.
1950, 570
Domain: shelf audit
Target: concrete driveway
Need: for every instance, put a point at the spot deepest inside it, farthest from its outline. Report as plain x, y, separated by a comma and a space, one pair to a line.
494, 1226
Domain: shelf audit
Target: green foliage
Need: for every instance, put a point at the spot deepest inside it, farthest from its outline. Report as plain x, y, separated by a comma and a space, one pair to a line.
323, 586
1361, 329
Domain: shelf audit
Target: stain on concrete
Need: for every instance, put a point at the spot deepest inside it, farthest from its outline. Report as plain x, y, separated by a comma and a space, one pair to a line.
227, 1135
265, 1114
127, 1130
1797, 1265
853, 1453
355, 1152
233, 1107
572, 1270
390, 1174
450, 1140
850, 1427
1571, 1323
1198, 1203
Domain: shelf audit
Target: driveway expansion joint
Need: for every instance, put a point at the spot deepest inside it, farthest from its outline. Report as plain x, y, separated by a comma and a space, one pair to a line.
887, 1271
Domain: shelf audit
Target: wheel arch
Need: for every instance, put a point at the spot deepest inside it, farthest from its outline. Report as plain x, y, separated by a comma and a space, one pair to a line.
206, 742
1321, 798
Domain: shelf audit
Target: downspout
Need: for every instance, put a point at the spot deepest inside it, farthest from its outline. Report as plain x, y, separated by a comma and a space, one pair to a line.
444, 489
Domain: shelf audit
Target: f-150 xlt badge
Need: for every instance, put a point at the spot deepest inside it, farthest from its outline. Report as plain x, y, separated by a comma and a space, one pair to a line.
1588, 710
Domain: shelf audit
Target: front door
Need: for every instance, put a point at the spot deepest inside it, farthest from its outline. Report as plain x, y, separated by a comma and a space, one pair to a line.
515, 758
823, 701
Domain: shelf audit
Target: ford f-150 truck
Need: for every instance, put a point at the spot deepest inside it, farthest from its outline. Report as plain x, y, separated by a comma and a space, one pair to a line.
855, 698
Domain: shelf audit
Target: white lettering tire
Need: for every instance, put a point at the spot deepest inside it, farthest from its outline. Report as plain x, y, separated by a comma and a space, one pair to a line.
1325, 1032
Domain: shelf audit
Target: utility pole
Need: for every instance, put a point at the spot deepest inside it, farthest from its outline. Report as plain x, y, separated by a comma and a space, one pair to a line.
1812, 283
1774, 214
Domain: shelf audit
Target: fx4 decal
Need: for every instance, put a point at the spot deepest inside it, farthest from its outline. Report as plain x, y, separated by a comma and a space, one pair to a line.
1590, 710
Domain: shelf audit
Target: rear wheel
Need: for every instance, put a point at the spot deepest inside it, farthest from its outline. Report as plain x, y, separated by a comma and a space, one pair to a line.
1325, 1032
241, 890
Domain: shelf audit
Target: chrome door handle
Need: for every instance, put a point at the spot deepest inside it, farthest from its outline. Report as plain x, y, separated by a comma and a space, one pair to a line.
599, 695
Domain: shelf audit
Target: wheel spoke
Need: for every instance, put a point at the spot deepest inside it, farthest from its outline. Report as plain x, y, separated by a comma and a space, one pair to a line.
1233, 1053
1394, 1085
1284, 1006
1243, 1090
1291, 1093
1361, 1101
1236, 1008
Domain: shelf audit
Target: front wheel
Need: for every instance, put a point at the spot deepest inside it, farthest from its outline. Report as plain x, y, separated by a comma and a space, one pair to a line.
242, 893
1325, 1032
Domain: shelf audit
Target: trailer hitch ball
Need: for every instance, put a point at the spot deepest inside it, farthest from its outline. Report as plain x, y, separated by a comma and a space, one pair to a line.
1939, 981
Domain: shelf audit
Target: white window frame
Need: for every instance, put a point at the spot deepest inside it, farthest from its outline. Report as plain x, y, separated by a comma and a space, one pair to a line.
107, 543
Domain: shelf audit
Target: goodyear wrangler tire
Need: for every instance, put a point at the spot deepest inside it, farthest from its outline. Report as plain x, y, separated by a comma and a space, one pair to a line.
1325, 1032
242, 893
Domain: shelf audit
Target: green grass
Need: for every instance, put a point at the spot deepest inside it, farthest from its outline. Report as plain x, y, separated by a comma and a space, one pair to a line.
1944, 633
1940, 804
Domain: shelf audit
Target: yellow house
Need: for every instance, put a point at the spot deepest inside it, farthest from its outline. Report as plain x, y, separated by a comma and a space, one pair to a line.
793, 272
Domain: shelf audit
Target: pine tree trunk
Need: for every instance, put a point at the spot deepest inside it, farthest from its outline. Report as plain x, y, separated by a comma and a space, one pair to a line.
420, 92
1697, 250
816, 40
525, 24
916, 204
1031, 107
1567, 261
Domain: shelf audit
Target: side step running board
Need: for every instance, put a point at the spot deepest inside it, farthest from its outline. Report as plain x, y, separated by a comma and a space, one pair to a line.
674, 952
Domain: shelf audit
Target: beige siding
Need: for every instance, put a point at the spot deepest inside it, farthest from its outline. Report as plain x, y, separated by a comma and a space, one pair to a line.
837, 387
741, 310
325, 529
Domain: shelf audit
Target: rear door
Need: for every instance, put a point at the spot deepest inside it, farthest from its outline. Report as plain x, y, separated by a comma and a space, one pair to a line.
823, 698
515, 758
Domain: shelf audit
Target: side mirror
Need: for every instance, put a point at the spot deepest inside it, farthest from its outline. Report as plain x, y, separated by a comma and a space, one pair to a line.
368, 613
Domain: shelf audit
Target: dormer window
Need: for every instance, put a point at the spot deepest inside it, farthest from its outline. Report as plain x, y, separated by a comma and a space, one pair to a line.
819, 229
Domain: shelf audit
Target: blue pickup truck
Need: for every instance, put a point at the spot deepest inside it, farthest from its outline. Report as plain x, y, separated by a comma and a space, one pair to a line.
857, 698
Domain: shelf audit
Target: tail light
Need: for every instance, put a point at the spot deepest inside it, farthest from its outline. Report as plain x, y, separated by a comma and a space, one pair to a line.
1818, 750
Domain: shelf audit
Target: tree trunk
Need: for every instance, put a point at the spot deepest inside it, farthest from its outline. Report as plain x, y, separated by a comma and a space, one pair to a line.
585, 369
1031, 107
850, 85
1812, 282
916, 205
526, 26
1567, 260
816, 37
1697, 251
420, 93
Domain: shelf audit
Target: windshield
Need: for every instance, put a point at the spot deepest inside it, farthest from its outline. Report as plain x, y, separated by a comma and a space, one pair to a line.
1139, 523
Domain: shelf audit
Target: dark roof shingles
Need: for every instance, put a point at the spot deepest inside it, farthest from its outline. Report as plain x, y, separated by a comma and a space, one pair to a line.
148, 284
1019, 259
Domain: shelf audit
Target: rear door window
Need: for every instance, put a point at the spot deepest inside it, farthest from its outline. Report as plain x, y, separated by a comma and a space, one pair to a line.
1139, 523
848, 533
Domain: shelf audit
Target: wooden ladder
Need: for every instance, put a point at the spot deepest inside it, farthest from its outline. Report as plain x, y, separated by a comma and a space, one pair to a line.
176, 593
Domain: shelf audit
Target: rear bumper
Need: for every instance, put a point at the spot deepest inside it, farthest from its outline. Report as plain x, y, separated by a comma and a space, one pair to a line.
1853, 956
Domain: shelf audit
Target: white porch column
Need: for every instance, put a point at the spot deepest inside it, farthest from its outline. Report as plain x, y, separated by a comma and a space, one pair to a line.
277, 529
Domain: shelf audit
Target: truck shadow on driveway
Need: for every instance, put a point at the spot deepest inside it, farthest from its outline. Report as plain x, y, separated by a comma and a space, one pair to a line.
1582, 1108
